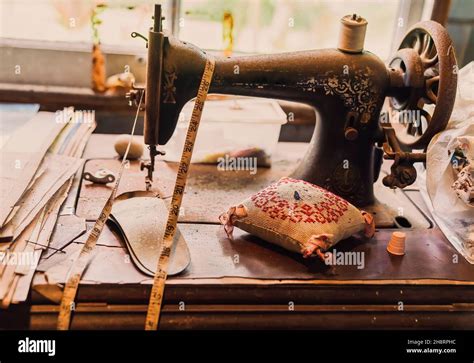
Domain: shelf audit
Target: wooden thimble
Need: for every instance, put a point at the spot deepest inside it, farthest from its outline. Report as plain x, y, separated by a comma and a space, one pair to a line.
396, 245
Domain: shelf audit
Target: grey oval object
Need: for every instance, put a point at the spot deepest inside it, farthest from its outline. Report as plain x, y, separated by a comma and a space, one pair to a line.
141, 221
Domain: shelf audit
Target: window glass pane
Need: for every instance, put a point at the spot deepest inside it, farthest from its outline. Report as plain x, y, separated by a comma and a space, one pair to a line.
268, 26
70, 20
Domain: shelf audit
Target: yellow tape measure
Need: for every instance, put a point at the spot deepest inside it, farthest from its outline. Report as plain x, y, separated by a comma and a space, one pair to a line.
80, 264
156, 297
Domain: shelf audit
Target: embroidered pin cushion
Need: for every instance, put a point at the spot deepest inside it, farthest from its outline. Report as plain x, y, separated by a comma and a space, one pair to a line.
298, 216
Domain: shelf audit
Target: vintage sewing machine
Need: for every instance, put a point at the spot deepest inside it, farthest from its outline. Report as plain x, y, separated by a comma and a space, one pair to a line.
346, 86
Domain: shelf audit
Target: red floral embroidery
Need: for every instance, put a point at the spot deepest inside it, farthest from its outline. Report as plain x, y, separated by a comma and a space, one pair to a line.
330, 209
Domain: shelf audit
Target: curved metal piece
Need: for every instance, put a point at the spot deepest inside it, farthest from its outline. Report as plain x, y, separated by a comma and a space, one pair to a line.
102, 176
426, 52
136, 34
141, 220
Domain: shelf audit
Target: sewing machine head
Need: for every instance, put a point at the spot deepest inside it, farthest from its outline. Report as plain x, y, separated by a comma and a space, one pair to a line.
347, 86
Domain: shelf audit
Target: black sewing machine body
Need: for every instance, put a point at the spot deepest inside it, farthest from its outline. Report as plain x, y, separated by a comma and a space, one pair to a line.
347, 91
347, 88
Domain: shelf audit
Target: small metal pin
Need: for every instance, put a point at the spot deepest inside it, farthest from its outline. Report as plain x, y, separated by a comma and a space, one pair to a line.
296, 195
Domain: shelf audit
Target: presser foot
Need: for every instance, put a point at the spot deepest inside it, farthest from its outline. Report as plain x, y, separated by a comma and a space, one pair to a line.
150, 166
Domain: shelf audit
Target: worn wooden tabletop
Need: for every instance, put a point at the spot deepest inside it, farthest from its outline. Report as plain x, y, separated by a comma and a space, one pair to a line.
249, 270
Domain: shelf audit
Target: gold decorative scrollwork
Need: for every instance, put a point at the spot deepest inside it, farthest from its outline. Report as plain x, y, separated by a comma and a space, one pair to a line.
355, 89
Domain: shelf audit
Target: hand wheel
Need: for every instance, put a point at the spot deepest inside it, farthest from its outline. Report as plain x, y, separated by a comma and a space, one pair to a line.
427, 63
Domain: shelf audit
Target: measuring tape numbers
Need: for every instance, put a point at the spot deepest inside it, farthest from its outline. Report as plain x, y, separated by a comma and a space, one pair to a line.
157, 291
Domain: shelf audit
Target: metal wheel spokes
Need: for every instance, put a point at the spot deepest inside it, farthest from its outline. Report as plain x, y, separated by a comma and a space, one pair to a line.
424, 45
429, 105
432, 86
429, 59
428, 52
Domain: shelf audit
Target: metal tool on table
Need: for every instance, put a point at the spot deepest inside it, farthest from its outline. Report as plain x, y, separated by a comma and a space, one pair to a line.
143, 232
101, 176
347, 86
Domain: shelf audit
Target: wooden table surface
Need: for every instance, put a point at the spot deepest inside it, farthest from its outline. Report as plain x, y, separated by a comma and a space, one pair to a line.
267, 287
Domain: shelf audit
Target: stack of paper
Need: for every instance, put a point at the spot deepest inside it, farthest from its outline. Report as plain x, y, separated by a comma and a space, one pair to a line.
38, 164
